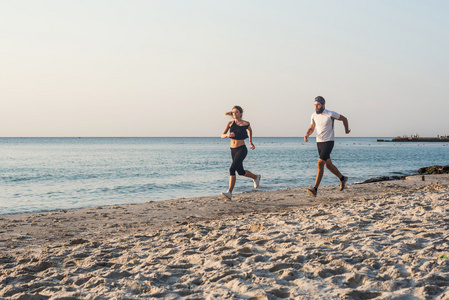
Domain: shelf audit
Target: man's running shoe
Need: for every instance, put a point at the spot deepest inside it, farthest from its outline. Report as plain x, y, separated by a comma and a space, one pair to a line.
312, 192
343, 183
257, 181
227, 195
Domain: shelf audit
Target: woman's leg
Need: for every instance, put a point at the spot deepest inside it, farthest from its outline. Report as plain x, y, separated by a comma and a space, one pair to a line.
234, 166
249, 174
238, 155
232, 180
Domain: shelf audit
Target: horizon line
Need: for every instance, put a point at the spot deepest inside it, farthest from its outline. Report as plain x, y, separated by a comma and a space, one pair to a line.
26, 137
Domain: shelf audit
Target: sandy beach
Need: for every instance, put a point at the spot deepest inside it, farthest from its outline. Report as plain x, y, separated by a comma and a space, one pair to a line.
384, 240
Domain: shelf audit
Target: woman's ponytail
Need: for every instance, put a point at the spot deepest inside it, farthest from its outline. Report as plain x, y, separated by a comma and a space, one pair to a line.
229, 113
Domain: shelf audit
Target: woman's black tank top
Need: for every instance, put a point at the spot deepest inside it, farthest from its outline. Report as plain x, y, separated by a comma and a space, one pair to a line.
239, 131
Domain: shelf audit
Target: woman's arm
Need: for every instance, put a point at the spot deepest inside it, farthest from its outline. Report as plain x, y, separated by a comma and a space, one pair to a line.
250, 137
225, 133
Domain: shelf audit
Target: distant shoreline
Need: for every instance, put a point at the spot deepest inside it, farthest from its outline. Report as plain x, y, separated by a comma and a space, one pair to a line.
417, 139
182, 137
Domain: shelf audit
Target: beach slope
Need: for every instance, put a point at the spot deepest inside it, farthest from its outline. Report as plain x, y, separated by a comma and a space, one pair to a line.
383, 240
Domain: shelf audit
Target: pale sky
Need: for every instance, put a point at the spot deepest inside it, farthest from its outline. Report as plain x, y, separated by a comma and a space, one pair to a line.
174, 67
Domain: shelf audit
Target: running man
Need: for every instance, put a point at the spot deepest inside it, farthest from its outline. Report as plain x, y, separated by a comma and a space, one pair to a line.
323, 120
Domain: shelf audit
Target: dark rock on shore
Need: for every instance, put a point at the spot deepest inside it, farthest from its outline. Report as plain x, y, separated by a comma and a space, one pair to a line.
383, 178
422, 171
434, 170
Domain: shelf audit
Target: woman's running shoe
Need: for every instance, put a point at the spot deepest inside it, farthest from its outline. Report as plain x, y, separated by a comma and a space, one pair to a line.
257, 181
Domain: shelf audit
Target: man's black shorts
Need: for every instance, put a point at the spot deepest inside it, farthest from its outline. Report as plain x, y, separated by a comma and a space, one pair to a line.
325, 149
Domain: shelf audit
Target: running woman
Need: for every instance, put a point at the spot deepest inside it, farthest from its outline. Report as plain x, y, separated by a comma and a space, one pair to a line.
323, 121
238, 130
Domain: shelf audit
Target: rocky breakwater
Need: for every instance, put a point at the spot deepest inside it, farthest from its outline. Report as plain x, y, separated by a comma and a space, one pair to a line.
423, 171
434, 170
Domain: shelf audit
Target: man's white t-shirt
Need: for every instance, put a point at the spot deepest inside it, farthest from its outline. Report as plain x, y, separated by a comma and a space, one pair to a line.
324, 125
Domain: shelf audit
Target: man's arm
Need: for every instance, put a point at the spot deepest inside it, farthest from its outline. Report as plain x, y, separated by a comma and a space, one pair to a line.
345, 123
309, 132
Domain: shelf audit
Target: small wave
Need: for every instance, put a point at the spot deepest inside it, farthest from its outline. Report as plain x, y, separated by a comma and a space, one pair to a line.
140, 188
27, 178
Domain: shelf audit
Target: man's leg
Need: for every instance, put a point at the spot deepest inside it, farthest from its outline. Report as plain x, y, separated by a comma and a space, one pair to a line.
319, 175
333, 168
337, 173
319, 172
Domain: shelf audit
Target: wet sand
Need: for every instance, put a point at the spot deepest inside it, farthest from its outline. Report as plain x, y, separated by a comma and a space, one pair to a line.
384, 240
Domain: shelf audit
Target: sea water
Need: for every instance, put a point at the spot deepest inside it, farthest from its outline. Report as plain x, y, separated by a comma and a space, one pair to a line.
41, 174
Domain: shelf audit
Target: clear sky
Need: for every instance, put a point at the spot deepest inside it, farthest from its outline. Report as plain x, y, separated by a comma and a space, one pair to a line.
174, 67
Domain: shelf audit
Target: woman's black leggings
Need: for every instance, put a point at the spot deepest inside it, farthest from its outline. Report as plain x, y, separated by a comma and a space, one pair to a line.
238, 155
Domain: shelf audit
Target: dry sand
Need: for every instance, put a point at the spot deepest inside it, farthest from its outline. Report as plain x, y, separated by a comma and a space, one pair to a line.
385, 240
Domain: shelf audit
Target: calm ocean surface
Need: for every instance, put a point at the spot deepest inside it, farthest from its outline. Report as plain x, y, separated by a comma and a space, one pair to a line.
40, 174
